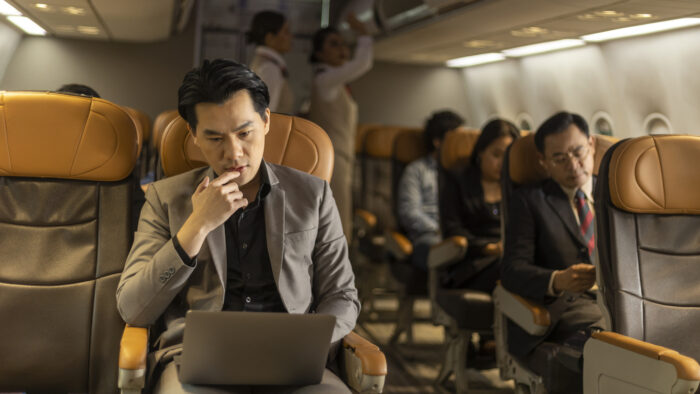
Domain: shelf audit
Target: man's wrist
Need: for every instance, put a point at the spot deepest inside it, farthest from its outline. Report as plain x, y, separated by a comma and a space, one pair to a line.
192, 235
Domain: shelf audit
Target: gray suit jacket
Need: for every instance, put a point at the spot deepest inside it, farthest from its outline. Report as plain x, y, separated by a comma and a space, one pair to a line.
305, 241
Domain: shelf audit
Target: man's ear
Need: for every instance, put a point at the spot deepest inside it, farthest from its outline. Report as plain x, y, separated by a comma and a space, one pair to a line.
591, 141
194, 135
541, 160
266, 120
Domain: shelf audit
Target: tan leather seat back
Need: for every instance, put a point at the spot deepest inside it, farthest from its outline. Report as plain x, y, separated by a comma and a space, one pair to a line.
65, 136
648, 239
65, 233
524, 166
143, 120
292, 141
160, 123
457, 147
377, 191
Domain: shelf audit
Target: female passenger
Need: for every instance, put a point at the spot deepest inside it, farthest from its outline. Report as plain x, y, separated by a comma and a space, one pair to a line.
332, 106
270, 32
470, 206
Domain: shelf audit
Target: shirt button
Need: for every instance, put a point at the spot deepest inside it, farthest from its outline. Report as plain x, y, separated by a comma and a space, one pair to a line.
245, 245
247, 300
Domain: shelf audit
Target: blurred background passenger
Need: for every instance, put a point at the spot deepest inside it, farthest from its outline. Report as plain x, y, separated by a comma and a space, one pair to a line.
77, 88
471, 207
332, 105
418, 189
270, 32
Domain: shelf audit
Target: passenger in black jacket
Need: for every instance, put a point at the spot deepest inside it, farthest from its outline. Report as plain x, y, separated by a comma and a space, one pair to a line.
470, 204
550, 246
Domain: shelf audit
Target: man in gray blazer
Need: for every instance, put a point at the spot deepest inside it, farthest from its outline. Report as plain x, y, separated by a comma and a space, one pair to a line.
240, 234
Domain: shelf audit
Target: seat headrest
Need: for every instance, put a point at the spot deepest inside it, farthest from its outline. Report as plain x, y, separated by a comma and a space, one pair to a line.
524, 165
139, 127
159, 124
379, 142
292, 142
457, 147
53, 135
409, 146
656, 174
143, 120
360, 135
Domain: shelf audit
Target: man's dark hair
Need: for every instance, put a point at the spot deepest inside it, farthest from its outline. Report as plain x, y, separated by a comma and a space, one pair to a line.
264, 22
493, 130
557, 123
439, 123
215, 82
318, 40
77, 88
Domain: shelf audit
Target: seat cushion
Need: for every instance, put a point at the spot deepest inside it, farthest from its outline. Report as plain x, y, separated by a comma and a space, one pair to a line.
472, 309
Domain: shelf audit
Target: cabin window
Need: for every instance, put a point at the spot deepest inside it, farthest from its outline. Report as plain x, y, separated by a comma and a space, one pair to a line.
657, 123
524, 121
602, 123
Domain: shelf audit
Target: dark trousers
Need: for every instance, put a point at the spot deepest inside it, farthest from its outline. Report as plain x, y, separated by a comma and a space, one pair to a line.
559, 360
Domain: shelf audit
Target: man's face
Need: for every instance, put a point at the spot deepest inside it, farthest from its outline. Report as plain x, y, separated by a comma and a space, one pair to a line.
231, 135
568, 157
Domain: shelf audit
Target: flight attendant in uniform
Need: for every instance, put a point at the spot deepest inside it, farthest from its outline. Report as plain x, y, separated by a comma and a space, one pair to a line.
332, 105
270, 32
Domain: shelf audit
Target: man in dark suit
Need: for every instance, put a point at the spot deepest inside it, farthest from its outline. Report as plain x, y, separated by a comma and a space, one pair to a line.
238, 235
549, 250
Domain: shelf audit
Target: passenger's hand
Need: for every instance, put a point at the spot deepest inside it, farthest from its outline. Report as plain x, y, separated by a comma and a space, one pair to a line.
358, 27
214, 202
576, 279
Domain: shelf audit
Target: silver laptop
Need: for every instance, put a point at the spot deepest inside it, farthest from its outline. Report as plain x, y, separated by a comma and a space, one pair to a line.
255, 348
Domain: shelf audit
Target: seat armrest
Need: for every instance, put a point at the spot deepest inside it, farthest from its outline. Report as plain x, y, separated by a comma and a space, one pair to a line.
615, 363
446, 252
132, 359
365, 222
532, 318
365, 365
398, 245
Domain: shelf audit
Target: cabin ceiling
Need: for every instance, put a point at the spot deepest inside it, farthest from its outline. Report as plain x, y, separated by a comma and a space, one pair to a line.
492, 25
114, 20
469, 27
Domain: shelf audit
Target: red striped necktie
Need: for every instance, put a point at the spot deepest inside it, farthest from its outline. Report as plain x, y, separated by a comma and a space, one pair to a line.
585, 216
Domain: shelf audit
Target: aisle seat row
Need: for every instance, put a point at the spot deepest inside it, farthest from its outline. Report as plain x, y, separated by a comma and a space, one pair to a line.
648, 238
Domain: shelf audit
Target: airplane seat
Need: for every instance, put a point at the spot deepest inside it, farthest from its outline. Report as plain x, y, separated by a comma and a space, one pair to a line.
647, 205
408, 146
65, 232
143, 123
357, 184
374, 214
462, 312
293, 142
159, 124
521, 167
